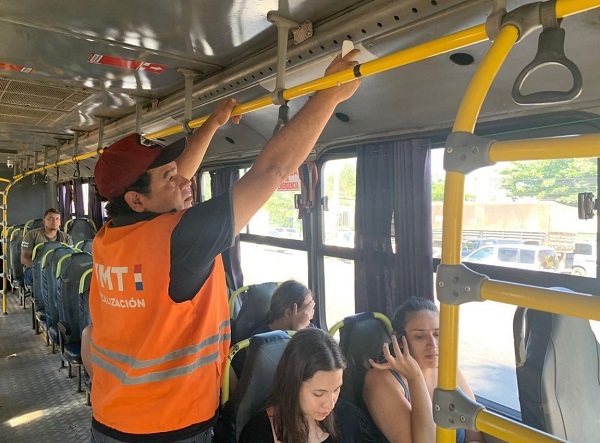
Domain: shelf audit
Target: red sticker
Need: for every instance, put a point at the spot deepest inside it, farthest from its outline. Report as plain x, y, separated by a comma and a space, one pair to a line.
16, 68
127, 64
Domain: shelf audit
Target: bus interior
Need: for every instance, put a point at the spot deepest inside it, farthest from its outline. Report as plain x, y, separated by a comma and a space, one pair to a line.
75, 77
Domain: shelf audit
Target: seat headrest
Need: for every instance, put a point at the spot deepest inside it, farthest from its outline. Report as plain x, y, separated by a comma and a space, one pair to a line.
252, 313
256, 382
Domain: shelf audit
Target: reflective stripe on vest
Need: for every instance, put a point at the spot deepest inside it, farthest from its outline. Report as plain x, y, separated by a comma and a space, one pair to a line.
159, 375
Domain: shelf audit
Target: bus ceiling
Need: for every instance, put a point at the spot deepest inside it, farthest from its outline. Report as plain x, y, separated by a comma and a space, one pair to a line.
70, 70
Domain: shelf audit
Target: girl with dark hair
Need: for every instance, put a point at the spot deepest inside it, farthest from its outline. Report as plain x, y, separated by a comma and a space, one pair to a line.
304, 406
292, 308
398, 390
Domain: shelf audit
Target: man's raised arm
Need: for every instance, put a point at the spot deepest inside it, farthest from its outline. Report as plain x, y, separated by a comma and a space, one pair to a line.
190, 159
286, 151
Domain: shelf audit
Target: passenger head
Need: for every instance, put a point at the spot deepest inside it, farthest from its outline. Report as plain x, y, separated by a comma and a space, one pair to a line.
418, 319
307, 385
282, 303
51, 220
135, 178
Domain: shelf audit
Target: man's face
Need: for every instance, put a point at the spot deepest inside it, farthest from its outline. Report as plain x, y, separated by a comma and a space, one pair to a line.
52, 222
168, 190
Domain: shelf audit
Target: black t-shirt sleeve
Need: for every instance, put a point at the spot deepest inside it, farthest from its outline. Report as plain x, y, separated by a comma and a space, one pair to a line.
257, 430
203, 232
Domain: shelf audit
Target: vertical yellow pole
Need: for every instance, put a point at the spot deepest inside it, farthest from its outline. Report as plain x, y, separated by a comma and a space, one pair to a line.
453, 209
4, 251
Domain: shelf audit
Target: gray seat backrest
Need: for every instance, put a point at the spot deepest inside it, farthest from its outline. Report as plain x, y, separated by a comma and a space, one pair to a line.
33, 224
558, 374
255, 305
49, 287
255, 385
15, 267
80, 229
37, 287
69, 276
86, 245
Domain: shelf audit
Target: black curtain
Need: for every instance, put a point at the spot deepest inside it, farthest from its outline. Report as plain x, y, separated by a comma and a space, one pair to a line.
220, 181
393, 204
78, 198
94, 205
64, 201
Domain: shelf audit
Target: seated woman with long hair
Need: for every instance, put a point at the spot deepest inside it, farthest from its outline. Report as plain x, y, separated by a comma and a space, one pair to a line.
292, 308
398, 390
304, 406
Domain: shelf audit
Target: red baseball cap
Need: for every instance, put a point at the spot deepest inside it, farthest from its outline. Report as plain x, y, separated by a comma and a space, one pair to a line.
125, 161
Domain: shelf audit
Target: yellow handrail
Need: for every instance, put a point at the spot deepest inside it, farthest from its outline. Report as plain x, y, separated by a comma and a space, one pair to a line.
548, 300
553, 301
438, 46
453, 203
461, 39
417, 53
508, 430
580, 146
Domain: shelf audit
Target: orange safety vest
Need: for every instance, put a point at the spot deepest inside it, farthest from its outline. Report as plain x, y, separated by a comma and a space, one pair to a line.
157, 363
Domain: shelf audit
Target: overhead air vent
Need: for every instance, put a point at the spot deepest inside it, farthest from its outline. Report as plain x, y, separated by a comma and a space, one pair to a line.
37, 104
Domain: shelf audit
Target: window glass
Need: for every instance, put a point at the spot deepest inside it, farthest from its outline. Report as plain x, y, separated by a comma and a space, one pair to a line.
205, 192
486, 353
532, 203
278, 217
481, 254
338, 179
85, 189
527, 256
263, 263
339, 289
508, 254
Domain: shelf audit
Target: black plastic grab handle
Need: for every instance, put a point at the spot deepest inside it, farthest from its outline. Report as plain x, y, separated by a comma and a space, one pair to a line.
551, 51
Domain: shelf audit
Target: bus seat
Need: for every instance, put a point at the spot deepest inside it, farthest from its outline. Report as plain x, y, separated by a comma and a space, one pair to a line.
9, 231
255, 385
84, 320
69, 271
39, 307
33, 224
15, 267
362, 336
252, 313
80, 229
558, 374
85, 245
48, 288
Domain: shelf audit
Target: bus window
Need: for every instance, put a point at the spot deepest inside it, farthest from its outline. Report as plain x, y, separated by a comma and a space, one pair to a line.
277, 218
339, 289
205, 192
264, 263
338, 178
486, 353
531, 203
533, 206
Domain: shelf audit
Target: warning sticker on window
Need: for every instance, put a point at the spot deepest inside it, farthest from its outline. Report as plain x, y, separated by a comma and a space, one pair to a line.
100, 59
290, 184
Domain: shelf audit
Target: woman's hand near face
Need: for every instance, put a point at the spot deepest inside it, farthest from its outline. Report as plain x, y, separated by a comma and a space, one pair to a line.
402, 362
302, 316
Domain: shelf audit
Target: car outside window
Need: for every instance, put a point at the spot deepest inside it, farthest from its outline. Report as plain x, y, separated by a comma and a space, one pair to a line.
508, 255
482, 254
527, 257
